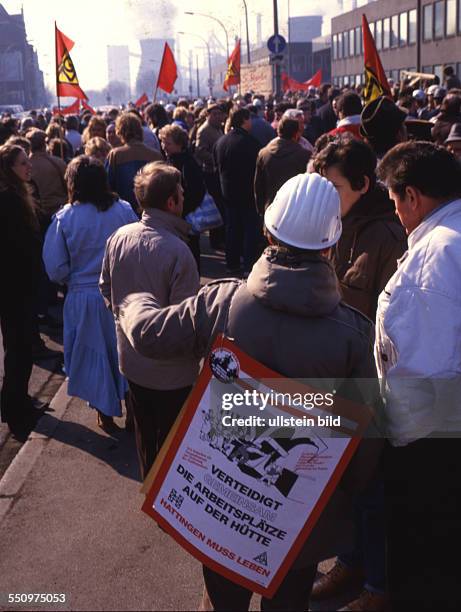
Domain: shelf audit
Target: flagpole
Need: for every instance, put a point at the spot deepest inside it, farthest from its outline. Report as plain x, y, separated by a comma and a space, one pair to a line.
57, 89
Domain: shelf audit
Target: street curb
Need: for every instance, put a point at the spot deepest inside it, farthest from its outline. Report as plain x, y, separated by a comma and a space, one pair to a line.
16, 474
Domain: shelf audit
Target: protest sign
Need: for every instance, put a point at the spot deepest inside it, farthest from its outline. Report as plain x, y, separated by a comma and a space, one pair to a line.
249, 467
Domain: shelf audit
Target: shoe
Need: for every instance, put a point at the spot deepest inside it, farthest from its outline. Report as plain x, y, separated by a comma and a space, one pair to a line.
106, 423
41, 351
369, 602
339, 579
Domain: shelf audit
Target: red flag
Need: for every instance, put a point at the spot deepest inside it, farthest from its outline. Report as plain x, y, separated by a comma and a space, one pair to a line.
87, 107
73, 109
375, 78
291, 84
66, 76
142, 100
233, 68
168, 71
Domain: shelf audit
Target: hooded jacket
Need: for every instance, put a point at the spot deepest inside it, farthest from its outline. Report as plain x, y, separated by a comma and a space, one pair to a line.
366, 255
279, 161
289, 316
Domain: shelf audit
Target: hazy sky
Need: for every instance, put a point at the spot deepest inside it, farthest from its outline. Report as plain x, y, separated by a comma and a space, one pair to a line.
94, 24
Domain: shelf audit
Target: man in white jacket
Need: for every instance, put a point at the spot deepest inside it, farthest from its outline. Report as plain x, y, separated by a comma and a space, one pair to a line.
418, 354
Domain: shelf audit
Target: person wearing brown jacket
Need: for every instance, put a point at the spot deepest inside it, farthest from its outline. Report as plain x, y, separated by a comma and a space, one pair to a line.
278, 161
364, 259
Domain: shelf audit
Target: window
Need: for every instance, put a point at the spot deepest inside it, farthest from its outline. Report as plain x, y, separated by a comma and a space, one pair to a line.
394, 30
458, 70
340, 45
358, 40
379, 34
451, 17
395, 75
334, 42
427, 13
372, 28
439, 19
351, 43
412, 29
358, 79
403, 40
386, 32
438, 71
427, 69
346, 43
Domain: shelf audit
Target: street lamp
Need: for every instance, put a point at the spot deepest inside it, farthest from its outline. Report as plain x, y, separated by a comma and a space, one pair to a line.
248, 32
210, 77
214, 19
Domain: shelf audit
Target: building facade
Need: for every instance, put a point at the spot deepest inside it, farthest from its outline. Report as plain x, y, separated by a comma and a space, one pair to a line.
21, 80
321, 57
407, 37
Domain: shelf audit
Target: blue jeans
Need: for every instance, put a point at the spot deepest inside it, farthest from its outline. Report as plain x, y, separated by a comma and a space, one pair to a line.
243, 232
369, 551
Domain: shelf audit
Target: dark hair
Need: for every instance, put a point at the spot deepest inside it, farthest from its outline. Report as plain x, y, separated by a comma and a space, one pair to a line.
37, 139
87, 182
287, 128
155, 183
156, 115
72, 123
9, 181
128, 127
353, 158
20, 141
424, 165
238, 117
448, 71
349, 104
54, 148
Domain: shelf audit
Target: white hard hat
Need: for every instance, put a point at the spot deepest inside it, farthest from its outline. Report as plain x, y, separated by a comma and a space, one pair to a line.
257, 102
199, 103
419, 94
305, 213
170, 108
431, 90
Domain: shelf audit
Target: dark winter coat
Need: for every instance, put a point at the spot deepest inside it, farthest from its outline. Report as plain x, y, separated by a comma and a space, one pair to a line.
192, 180
366, 255
235, 158
278, 162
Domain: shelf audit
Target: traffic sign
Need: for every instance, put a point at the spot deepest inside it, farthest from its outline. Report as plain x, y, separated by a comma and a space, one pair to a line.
276, 58
276, 43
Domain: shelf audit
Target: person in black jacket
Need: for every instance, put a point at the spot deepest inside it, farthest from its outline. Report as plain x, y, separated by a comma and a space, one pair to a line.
327, 113
175, 142
235, 156
20, 260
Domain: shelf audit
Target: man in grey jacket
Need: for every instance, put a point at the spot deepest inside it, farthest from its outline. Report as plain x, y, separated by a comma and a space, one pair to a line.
152, 255
289, 316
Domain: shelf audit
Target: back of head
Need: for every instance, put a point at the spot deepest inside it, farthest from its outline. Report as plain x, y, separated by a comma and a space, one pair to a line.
305, 213
128, 127
239, 117
98, 147
72, 123
288, 128
87, 182
37, 139
155, 183
348, 104
381, 123
156, 114
428, 167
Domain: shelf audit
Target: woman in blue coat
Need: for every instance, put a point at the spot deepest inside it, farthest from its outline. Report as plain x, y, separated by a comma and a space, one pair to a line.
73, 253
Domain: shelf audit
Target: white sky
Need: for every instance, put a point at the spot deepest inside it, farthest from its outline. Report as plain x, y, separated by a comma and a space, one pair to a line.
94, 24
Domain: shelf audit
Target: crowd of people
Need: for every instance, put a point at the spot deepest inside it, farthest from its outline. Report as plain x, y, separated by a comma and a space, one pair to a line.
308, 187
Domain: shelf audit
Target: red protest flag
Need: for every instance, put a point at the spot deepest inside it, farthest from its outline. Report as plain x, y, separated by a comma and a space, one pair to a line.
142, 100
168, 71
316, 80
87, 107
375, 78
66, 77
289, 84
73, 109
233, 68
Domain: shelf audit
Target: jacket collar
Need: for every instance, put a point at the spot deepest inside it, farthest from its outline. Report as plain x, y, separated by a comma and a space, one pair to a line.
162, 220
436, 217
351, 120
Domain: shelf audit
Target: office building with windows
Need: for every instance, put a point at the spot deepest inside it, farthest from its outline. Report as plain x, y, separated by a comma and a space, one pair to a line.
395, 25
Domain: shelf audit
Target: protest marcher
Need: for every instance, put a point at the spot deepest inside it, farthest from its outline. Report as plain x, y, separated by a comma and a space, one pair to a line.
124, 162
383, 125
450, 113
175, 145
73, 253
364, 258
20, 249
153, 254
208, 135
326, 112
235, 156
298, 115
450, 80
312, 123
453, 142
349, 109
261, 130
72, 134
112, 137
156, 117
418, 356
99, 148
282, 159
96, 127
291, 300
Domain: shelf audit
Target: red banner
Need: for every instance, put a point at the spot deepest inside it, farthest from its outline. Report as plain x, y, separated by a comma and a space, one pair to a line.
233, 68
73, 109
375, 78
168, 71
142, 100
289, 84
